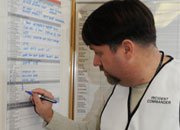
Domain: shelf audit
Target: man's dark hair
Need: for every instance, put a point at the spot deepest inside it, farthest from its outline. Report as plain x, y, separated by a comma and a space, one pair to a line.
116, 21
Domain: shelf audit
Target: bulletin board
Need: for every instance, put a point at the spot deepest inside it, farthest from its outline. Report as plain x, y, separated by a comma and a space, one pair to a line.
87, 79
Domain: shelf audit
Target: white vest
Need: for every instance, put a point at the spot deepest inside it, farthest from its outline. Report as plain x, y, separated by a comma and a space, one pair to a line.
159, 108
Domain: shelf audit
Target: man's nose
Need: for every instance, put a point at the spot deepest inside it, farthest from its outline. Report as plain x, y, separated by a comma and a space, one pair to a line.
97, 61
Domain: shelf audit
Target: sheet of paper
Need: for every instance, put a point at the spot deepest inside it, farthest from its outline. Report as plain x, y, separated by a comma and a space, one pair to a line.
87, 77
36, 32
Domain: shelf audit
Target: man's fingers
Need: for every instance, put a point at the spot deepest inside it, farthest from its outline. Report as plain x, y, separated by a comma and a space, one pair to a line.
43, 92
31, 99
37, 100
42, 107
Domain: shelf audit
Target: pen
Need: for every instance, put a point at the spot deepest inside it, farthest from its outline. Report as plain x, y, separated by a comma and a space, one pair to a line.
42, 97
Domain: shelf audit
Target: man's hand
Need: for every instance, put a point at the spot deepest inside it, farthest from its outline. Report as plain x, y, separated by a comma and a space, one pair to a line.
42, 107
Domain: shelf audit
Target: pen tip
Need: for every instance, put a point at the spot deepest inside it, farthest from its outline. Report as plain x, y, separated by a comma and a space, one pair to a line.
29, 92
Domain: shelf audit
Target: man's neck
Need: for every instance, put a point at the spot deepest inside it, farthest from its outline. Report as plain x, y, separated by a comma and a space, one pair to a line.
145, 65
149, 66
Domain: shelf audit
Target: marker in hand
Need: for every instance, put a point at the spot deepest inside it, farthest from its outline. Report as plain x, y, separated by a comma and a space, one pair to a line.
42, 97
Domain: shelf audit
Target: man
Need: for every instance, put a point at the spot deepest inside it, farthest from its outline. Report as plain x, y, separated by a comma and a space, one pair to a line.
147, 92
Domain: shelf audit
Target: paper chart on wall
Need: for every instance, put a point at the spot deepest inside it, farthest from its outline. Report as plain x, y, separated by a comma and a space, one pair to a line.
88, 78
35, 37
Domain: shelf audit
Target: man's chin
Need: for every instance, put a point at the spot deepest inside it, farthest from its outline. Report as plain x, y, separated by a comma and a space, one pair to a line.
112, 80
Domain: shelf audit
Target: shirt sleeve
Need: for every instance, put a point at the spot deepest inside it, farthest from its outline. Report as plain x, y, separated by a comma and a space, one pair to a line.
90, 122
60, 122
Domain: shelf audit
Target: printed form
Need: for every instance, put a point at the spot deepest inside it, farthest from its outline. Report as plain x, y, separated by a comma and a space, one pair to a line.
34, 42
88, 79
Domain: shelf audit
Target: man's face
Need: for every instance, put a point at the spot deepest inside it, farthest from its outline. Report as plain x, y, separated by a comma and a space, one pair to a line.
112, 63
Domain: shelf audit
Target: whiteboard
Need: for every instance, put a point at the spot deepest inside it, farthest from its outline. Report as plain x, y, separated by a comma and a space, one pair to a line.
88, 78
35, 53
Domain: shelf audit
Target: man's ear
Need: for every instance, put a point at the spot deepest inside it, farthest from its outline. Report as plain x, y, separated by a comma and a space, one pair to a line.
128, 48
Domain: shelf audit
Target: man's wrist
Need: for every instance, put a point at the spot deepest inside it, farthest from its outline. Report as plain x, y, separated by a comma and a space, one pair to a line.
49, 116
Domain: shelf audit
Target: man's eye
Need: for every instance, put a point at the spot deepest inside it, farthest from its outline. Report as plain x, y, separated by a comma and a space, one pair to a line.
98, 53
